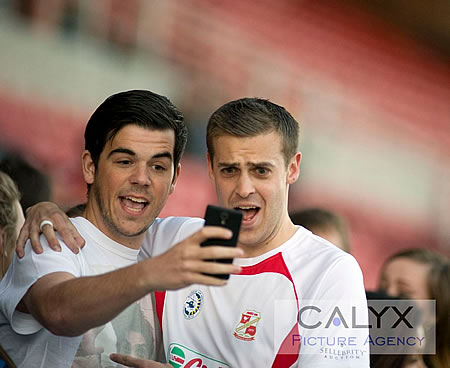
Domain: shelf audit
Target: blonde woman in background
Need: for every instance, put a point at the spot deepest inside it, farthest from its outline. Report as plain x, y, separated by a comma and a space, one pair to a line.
11, 220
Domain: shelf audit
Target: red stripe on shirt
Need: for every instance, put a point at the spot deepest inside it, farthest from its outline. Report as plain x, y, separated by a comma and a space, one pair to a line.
288, 352
160, 297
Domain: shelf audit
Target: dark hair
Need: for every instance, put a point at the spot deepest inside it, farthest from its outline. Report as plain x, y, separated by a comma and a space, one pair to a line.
34, 185
248, 117
77, 210
316, 219
139, 107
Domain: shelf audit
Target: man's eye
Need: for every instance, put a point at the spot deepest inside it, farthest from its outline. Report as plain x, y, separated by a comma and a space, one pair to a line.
262, 171
124, 162
228, 170
158, 167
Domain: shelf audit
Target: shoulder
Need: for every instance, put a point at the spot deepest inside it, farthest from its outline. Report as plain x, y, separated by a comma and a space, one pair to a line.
306, 247
315, 261
165, 232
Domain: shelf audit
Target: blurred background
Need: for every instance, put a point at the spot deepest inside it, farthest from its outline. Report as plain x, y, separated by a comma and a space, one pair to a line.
368, 80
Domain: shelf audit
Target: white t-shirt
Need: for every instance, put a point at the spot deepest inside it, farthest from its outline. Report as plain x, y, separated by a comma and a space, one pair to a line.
252, 321
30, 345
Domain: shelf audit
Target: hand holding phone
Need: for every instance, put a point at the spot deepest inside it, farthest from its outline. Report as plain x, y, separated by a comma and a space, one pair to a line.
224, 217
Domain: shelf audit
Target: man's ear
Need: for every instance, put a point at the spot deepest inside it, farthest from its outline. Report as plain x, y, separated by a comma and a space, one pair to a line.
210, 166
88, 167
176, 175
293, 170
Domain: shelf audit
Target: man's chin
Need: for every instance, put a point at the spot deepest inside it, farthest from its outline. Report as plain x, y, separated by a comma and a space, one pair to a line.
135, 233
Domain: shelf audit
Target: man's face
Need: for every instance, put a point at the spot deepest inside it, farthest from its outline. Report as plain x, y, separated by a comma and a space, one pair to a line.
251, 175
131, 183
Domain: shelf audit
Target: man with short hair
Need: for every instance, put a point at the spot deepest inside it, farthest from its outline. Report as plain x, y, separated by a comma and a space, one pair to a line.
292, 303
324, 223
133, 145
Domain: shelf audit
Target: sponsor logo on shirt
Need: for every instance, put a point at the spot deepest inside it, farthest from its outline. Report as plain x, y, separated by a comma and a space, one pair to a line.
180, 356
193, 304
246, 328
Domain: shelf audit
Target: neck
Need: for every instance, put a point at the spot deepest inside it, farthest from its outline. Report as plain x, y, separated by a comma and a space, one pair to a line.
110, 229
278, 238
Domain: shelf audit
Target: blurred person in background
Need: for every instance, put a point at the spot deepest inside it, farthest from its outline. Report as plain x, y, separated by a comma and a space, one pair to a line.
34, 185
324, 223
11, 220
423, 274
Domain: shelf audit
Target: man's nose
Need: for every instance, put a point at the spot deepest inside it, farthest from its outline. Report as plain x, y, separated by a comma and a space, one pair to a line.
245, 186
141, 175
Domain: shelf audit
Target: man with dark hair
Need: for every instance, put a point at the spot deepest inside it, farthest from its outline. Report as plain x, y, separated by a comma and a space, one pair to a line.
275, 312
134, 141
324, 223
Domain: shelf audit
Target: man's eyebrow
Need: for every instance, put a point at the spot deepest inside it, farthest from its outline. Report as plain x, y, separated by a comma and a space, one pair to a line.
163, 154
132, 153
122, 150
248, 164
261, 164
227, 164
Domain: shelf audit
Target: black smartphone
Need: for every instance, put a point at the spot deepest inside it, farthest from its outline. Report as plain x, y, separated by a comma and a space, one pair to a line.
224, 217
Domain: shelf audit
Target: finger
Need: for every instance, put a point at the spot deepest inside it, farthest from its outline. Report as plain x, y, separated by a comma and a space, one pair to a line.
78, 239
216, 268
208, 232
135, 362
67, 236
21, 240
67, 231
200, 272
49, 233
34, 238
219, 252
206, 278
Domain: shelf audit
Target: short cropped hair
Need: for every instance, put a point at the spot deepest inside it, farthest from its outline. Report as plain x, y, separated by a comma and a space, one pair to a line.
137, 107
249, 117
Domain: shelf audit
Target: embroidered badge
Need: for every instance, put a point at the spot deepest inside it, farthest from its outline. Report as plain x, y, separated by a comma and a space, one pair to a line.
246, 328
193, 304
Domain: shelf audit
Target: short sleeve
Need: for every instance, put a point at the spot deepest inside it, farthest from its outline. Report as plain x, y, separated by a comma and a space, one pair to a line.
334, 326
23, 273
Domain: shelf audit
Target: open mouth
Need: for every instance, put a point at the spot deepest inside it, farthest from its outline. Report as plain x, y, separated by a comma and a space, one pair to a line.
134, 204
249, 212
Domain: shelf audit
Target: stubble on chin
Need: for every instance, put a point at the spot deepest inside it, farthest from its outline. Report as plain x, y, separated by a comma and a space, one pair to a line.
108, 219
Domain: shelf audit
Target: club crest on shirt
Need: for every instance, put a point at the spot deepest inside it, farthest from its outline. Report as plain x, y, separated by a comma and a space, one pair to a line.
246, 328
193, 304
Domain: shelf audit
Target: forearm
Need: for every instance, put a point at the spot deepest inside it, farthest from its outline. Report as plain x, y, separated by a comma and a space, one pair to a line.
72, 306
